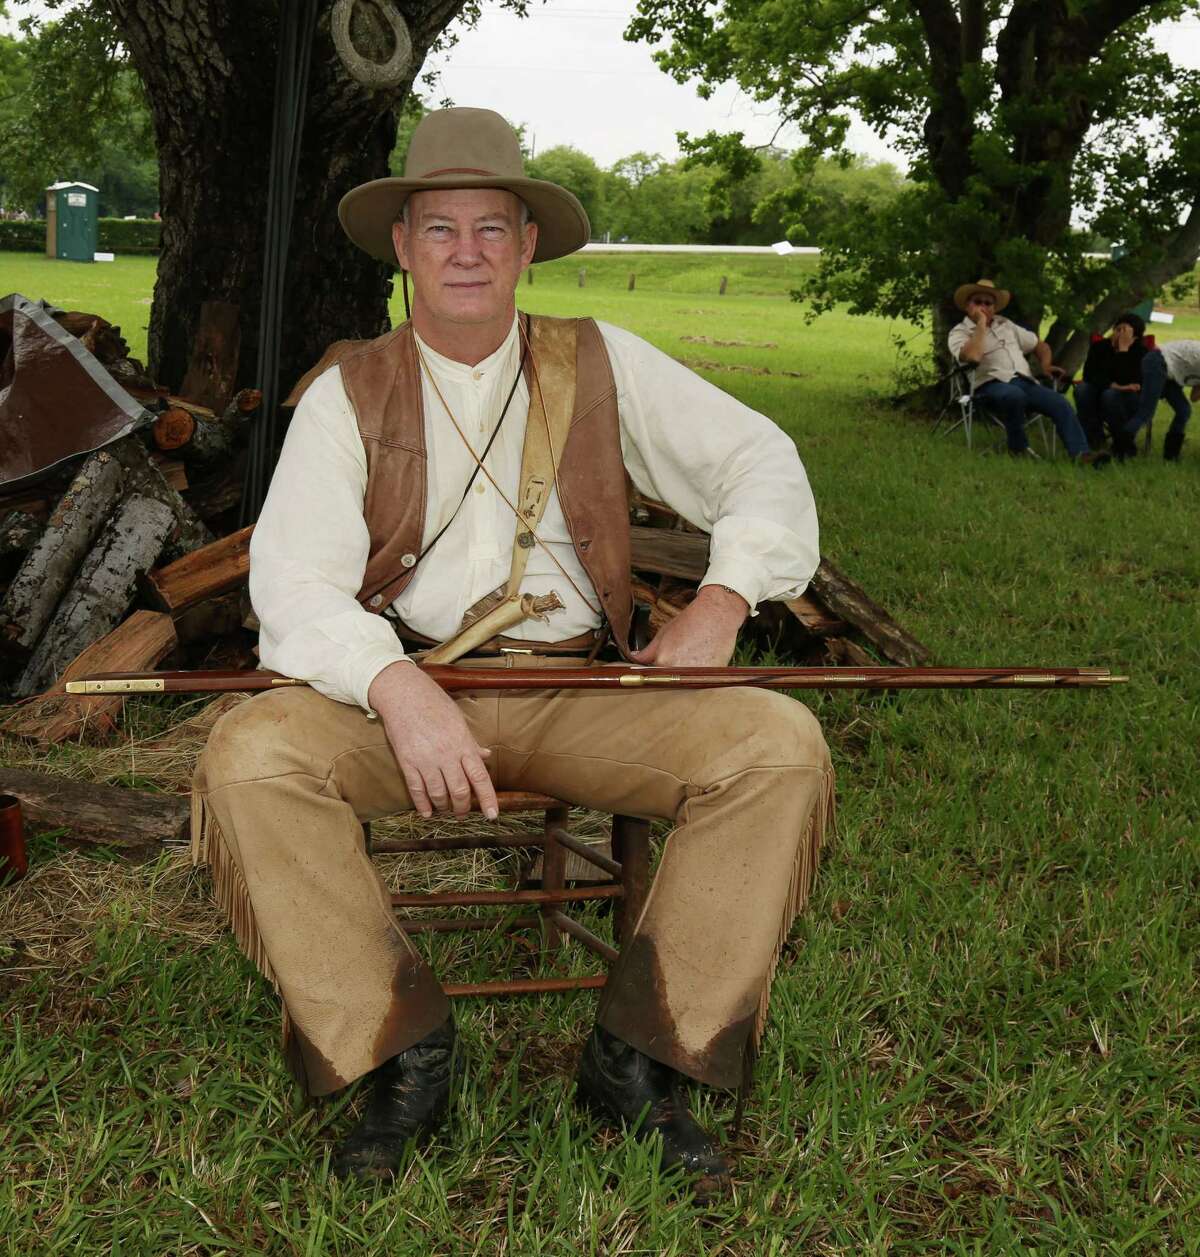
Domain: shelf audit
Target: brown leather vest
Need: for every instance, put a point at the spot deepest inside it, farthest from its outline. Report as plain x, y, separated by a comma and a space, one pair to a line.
383, 382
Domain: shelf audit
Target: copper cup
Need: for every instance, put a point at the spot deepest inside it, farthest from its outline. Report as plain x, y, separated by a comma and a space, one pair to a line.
14, 862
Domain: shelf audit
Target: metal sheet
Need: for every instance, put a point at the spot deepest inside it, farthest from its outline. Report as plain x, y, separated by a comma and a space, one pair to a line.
56, 399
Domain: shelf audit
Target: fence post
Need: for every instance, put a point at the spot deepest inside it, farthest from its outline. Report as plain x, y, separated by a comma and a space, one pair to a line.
582, 277
632, 280
724, 281
529, 272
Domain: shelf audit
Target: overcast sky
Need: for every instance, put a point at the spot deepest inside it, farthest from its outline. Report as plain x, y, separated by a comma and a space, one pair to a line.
568, 75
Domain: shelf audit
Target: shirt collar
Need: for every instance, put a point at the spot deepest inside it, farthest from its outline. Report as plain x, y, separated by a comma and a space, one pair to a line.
449, 368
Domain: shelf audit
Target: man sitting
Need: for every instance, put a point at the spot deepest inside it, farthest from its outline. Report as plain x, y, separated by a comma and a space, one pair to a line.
1108, 395
1001, 378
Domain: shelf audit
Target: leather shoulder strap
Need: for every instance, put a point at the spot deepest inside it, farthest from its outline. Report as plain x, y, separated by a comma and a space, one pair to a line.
551, 405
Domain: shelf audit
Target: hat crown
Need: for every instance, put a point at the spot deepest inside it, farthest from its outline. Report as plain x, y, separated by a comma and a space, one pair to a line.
467, 141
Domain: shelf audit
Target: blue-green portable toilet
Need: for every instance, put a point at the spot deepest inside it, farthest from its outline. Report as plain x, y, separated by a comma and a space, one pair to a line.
71, 221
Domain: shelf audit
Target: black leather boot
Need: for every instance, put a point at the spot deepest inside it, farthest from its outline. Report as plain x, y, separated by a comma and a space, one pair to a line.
409, 1098
1172, 444
616, 1081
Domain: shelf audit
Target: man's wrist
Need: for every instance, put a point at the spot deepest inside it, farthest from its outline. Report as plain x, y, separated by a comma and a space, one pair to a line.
723, 595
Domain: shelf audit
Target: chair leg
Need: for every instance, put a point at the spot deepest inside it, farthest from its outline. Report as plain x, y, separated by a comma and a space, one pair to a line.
554, 868
631, 848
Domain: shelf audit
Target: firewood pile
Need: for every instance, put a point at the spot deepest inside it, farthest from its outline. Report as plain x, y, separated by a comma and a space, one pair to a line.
128, 558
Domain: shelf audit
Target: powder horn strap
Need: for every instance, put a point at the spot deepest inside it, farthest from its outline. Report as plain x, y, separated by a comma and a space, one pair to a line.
551, 406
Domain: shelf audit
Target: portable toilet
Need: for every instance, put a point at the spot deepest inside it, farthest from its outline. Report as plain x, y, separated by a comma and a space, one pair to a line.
71, 221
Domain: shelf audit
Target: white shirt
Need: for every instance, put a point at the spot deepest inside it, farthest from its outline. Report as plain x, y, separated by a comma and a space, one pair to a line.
1183, 361
719, 464
1004, 348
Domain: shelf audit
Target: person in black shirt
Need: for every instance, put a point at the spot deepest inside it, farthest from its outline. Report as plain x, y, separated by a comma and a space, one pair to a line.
1107, 396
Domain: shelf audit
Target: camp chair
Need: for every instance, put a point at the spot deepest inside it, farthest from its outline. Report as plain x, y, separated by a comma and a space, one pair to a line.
962, 409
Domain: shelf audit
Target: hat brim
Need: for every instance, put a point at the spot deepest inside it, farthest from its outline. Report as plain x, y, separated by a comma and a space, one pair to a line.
368, 212
964, 294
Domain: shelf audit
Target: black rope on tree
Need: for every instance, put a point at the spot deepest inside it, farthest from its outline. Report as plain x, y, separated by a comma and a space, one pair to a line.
297, 22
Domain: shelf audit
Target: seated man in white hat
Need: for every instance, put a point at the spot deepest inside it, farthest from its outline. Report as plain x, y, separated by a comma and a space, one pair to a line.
403, 506
997, 351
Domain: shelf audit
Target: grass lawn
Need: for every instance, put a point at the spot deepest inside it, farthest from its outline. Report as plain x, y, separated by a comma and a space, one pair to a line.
984, 1032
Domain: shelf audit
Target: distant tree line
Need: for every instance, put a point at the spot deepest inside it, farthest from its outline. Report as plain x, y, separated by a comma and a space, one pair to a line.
49, 131
62, 116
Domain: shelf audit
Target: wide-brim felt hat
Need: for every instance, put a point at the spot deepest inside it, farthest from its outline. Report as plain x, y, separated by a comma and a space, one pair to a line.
463, 148
987, 287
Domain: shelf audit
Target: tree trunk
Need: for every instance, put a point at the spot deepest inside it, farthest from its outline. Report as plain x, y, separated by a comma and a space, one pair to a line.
208, 70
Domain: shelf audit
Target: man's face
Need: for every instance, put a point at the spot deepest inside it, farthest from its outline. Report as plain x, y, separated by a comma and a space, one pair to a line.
465, 249
982, 307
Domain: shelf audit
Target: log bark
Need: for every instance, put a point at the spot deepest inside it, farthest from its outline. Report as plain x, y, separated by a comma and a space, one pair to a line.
137, 644
102, 590
111, 815
51, 565
212, 370
203, 574
846, 599
143, 477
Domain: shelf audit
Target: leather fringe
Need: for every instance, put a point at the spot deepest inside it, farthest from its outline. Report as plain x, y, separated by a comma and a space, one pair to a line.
804, 873
229, 889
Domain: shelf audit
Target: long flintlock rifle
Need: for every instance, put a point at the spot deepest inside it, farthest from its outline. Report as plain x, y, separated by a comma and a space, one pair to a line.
624, 677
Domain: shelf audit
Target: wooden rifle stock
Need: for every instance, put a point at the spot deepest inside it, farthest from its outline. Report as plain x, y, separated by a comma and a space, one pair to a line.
624, 677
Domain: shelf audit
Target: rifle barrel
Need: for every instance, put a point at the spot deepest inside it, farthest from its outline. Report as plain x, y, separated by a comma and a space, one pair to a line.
623, 677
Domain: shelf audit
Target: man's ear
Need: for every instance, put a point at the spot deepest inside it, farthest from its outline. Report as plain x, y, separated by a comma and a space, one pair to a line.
398, 243
529, 244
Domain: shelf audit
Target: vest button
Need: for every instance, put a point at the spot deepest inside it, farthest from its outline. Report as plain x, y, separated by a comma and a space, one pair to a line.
408, 560
377, 600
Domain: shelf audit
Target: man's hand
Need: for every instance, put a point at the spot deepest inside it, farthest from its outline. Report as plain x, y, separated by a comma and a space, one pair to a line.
442, 764
1126, 388
703, 635
1122, 337
983, 315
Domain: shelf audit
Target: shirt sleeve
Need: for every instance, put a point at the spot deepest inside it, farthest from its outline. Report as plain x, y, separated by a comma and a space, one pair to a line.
724, 467
309, 551
1026, 340
956, 340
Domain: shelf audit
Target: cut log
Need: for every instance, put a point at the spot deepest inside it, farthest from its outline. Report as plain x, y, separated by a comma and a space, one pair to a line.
138, 644
51, 565
171, 470
682, 554
212, 369
815, 618
216, 569
208, 621
219, 488
173, 428
669, 552
19, 532
103, 589
143, 477
844, 598
111, 815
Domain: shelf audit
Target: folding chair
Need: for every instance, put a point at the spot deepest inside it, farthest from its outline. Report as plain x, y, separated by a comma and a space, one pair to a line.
962, 409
